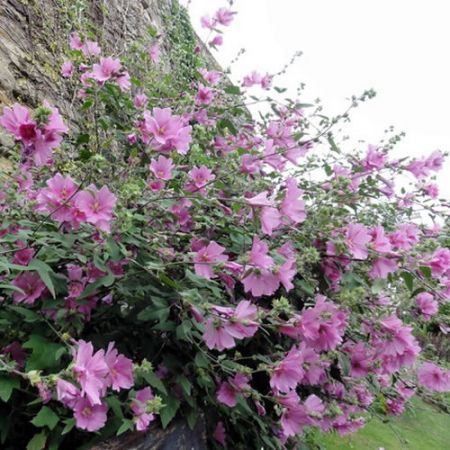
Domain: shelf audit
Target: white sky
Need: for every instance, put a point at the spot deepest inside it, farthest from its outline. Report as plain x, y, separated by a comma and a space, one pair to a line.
398, 47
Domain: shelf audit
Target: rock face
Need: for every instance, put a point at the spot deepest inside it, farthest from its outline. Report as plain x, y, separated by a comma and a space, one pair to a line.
34, 35
177, 436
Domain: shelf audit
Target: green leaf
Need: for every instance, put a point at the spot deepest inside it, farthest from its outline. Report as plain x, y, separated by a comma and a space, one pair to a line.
127, 425
11, 287
44, 271
38, 441
82, 139
107, 281
169, 410
28, 315
115, 405
158, 311
155, 382
7, 384
45, 354
45, 418
223, 124
409, 280
70, 423
191, 418
185, 384
426, 271
232, 90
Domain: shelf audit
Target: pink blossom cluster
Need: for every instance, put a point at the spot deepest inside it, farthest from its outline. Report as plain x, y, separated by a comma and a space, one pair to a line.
94, 373
164, 132
37, 138
66, 203
227, 324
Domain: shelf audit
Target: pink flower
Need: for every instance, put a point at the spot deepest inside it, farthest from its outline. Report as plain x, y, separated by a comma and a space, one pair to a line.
260, 200
405, 237
123, 81
270, 220
288, 373
374, 159
207, 22
397, 347
17, 120
75, 41
216, 335
67, 69
210, 76
91, 48
286, 273
382, 267
292, 206
434, 378
224, 16
216, 41
154, 52
259, 255
165, 132
97, 205
262, 282
204, 96
108, 68
228, 391
58, 198
357, 238
162, 168
31, 285
427, 305
431, 189
90, 417
266, 82
440, 261
243, 322
380, 242
24, 256
38, 141
230, 324
90, 370
139, 408
323, 326
67, 393
140, 101
120, 369
360, 361
201, 176
435, 161
206, 257
219, 434
252, 79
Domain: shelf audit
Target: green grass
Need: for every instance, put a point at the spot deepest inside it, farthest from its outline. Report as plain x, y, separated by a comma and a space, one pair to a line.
422, 427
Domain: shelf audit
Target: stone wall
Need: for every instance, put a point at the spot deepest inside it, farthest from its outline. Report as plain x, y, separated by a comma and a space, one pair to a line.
34, 35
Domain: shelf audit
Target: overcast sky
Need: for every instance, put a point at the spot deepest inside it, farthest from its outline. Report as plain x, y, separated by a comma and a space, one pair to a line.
398, 47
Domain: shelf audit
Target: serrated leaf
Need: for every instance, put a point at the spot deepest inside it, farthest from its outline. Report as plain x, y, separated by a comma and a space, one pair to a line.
45, 418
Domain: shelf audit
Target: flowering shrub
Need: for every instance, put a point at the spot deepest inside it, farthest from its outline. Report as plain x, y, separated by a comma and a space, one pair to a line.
169, 254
